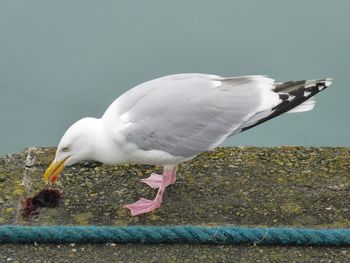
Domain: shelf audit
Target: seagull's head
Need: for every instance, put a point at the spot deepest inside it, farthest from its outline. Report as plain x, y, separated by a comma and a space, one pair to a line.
77, 144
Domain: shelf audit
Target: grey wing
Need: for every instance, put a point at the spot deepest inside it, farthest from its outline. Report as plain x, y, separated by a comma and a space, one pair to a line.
187, 116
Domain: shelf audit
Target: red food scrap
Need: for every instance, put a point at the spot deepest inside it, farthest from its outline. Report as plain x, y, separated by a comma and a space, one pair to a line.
45, 198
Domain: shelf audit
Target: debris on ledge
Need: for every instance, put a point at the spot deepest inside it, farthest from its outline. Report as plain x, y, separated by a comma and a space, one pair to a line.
285, 186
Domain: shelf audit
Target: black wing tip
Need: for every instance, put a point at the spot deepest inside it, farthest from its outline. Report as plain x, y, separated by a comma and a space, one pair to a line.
292, 94
320, 84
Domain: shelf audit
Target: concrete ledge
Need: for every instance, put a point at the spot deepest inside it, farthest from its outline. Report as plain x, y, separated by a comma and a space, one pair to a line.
286, 186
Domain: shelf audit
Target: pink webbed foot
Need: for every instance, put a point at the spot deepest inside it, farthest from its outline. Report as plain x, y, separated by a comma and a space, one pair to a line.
143, 206
154, 180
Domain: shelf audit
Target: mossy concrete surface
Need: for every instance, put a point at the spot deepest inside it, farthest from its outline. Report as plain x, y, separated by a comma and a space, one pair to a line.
285, 186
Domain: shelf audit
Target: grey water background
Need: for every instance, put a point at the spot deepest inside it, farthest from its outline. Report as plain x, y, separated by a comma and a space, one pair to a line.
64, 60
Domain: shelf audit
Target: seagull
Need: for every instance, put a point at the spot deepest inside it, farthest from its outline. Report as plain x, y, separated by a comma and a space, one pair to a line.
172, 119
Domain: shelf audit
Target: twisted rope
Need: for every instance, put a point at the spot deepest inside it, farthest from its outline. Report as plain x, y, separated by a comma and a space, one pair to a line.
173, 234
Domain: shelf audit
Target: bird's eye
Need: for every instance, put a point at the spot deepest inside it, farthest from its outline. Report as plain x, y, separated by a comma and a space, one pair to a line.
65, 149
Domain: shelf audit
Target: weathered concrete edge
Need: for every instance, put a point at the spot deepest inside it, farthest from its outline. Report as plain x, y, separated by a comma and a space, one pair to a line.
34, 160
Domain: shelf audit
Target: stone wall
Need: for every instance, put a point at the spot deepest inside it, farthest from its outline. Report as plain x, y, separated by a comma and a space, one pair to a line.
285, 186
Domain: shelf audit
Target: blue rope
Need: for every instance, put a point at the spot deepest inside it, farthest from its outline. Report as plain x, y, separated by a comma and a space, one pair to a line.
173, 234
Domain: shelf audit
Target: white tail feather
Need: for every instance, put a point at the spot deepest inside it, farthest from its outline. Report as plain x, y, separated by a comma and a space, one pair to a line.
305, 106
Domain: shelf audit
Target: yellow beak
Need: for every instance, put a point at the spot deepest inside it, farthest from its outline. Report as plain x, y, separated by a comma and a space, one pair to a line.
53, 172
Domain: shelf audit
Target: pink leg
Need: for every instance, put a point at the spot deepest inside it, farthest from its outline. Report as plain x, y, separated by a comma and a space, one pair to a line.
144, 205
155, 180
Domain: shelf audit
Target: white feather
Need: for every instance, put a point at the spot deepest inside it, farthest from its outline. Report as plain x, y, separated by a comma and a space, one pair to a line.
306, 106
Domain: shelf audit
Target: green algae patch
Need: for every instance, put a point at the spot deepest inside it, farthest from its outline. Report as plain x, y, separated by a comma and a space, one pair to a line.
83, 218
